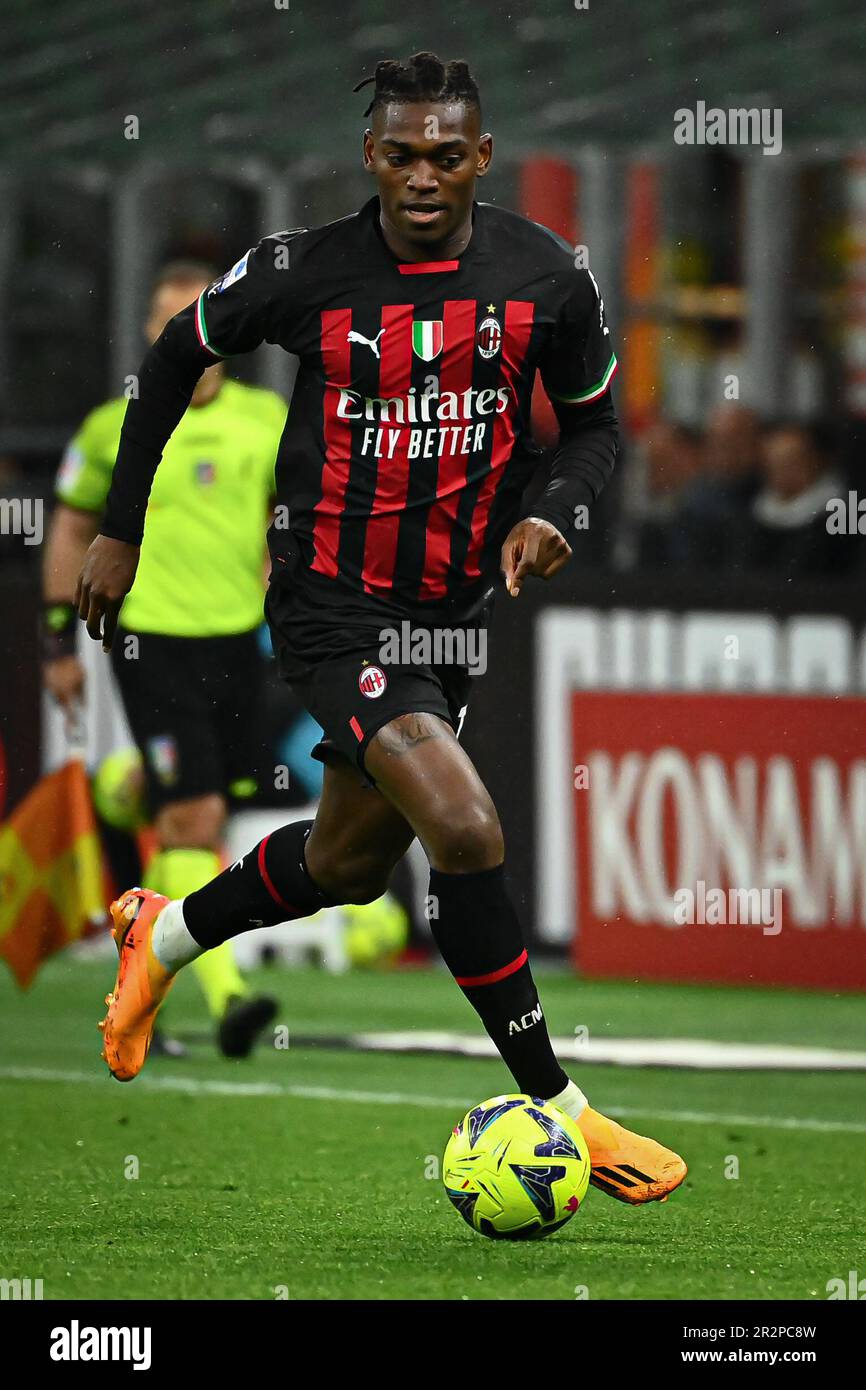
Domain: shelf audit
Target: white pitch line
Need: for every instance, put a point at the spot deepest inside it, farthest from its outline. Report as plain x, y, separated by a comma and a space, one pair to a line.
694, 1054
190, 1085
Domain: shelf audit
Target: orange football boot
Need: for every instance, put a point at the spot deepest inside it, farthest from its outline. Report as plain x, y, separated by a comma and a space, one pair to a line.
629, 1166
141, 986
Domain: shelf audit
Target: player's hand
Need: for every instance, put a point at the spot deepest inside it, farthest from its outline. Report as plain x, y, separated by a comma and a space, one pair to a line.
532, 547
64, 680
106, 578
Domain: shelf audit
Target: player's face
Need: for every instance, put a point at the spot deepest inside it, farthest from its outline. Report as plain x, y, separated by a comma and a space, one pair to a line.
167, 301
425, 159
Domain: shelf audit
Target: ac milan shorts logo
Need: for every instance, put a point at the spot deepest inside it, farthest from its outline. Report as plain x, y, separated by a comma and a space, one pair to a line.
372, 682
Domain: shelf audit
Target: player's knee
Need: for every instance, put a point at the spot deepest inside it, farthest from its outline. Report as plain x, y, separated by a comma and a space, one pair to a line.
194, 824
350, 878
364, 890
468, 840
349, 885
361, 881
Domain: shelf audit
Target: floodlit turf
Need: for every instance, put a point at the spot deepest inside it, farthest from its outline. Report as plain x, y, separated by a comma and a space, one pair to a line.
313, 1187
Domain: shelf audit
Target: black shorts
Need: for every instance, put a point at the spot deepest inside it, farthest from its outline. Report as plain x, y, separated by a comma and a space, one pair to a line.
336, 667
191, 703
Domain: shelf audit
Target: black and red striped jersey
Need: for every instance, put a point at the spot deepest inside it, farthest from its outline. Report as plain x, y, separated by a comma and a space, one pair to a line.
407, 447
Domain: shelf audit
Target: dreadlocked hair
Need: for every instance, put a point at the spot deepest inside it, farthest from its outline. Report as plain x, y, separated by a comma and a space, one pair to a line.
424, 78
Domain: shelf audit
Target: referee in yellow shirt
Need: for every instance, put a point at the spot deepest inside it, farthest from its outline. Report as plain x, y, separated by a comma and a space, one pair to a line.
186, 651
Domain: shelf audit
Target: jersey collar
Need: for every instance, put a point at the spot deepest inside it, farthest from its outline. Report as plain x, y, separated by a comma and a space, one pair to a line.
371, 212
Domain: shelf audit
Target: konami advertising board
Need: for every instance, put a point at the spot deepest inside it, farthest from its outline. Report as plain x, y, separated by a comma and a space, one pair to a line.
702, 796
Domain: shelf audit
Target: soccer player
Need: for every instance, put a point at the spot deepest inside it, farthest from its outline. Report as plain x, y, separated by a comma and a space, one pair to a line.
188, 675
420, 322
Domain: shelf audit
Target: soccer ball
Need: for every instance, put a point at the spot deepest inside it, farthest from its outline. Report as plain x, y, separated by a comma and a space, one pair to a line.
516, 1168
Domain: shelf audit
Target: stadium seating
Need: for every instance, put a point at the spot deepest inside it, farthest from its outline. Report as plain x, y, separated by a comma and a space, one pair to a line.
231, 72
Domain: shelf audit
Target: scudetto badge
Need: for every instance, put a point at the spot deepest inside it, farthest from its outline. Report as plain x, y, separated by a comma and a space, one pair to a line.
372, 682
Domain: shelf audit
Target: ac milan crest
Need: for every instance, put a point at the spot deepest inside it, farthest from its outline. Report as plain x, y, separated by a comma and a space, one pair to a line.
372, 682
489, 337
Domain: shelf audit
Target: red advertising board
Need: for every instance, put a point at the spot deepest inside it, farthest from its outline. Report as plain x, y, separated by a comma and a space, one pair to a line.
720, 837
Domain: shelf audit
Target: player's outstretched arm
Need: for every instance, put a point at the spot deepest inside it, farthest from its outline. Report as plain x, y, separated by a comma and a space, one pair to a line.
234, 315
166, 381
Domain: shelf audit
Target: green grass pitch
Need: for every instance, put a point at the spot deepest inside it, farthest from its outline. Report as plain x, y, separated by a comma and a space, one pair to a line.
306, 1172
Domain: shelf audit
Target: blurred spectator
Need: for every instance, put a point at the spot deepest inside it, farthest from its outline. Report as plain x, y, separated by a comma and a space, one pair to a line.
787, 531
712, 519
657, 471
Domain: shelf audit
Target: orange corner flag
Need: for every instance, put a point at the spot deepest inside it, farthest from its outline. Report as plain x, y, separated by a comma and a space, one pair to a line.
51, 880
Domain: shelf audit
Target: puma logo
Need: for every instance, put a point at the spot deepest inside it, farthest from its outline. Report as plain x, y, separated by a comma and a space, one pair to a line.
371, 343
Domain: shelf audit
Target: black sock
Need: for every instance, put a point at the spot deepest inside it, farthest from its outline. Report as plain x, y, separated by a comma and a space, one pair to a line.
477, 930
270, 884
